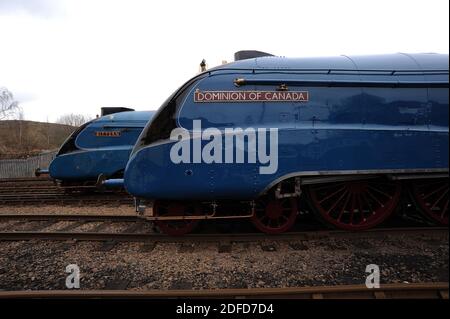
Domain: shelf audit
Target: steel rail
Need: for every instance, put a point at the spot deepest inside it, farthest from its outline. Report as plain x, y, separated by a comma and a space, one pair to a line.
69, 217
59, 196
25, 180
63, 198
214, 237
432, 290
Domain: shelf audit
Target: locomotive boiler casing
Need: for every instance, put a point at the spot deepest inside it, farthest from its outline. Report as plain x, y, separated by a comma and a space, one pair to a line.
101, 146
359, 115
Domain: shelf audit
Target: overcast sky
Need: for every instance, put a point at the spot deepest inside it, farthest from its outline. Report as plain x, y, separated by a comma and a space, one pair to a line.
75, 56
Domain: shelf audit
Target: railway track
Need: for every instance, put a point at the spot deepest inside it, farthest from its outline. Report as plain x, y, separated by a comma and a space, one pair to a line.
10, 183
435, 290
67, 217
25, 180
45, 189
133, 231
30, 191
64, 199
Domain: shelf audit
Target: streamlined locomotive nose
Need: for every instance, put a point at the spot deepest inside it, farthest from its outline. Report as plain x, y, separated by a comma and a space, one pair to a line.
102, 146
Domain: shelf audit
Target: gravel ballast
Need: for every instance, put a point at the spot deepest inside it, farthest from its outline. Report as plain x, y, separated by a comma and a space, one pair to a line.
40, 265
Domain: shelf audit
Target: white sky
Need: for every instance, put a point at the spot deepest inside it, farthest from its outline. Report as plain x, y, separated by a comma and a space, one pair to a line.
75, 56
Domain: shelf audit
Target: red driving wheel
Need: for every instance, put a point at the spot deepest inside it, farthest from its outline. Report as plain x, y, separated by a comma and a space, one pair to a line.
432, 198
175, 227
274, 216
355, 205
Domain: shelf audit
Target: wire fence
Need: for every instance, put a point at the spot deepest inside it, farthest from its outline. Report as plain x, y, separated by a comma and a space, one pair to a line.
18, 168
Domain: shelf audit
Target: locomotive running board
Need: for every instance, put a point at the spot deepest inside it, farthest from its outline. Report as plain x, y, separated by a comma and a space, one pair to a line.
317, 177
148, 214
195, 217
417, 176
332, 179
345, 178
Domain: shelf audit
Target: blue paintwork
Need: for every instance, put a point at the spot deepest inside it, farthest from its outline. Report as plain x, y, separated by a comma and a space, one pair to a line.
350, 130
130, 124
94, 155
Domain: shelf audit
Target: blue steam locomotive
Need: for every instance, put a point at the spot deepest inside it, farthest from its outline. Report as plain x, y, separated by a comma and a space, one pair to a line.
100, 147
247, 139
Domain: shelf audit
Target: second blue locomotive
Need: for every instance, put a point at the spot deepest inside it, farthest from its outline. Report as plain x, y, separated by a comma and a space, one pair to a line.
100, 147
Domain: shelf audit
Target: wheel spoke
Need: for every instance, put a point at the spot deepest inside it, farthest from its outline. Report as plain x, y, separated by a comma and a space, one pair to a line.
375, 199
352, 210
366, 200
439, 199
445, 209
361, 210
435, 191
336, 202
332, 194
341, 213
381, 192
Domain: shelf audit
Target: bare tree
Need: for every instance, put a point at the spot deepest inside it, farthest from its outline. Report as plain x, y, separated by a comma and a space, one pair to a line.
9, 108
73, 119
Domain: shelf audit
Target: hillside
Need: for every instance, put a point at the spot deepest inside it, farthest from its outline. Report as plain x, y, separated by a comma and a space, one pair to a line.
20, 139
